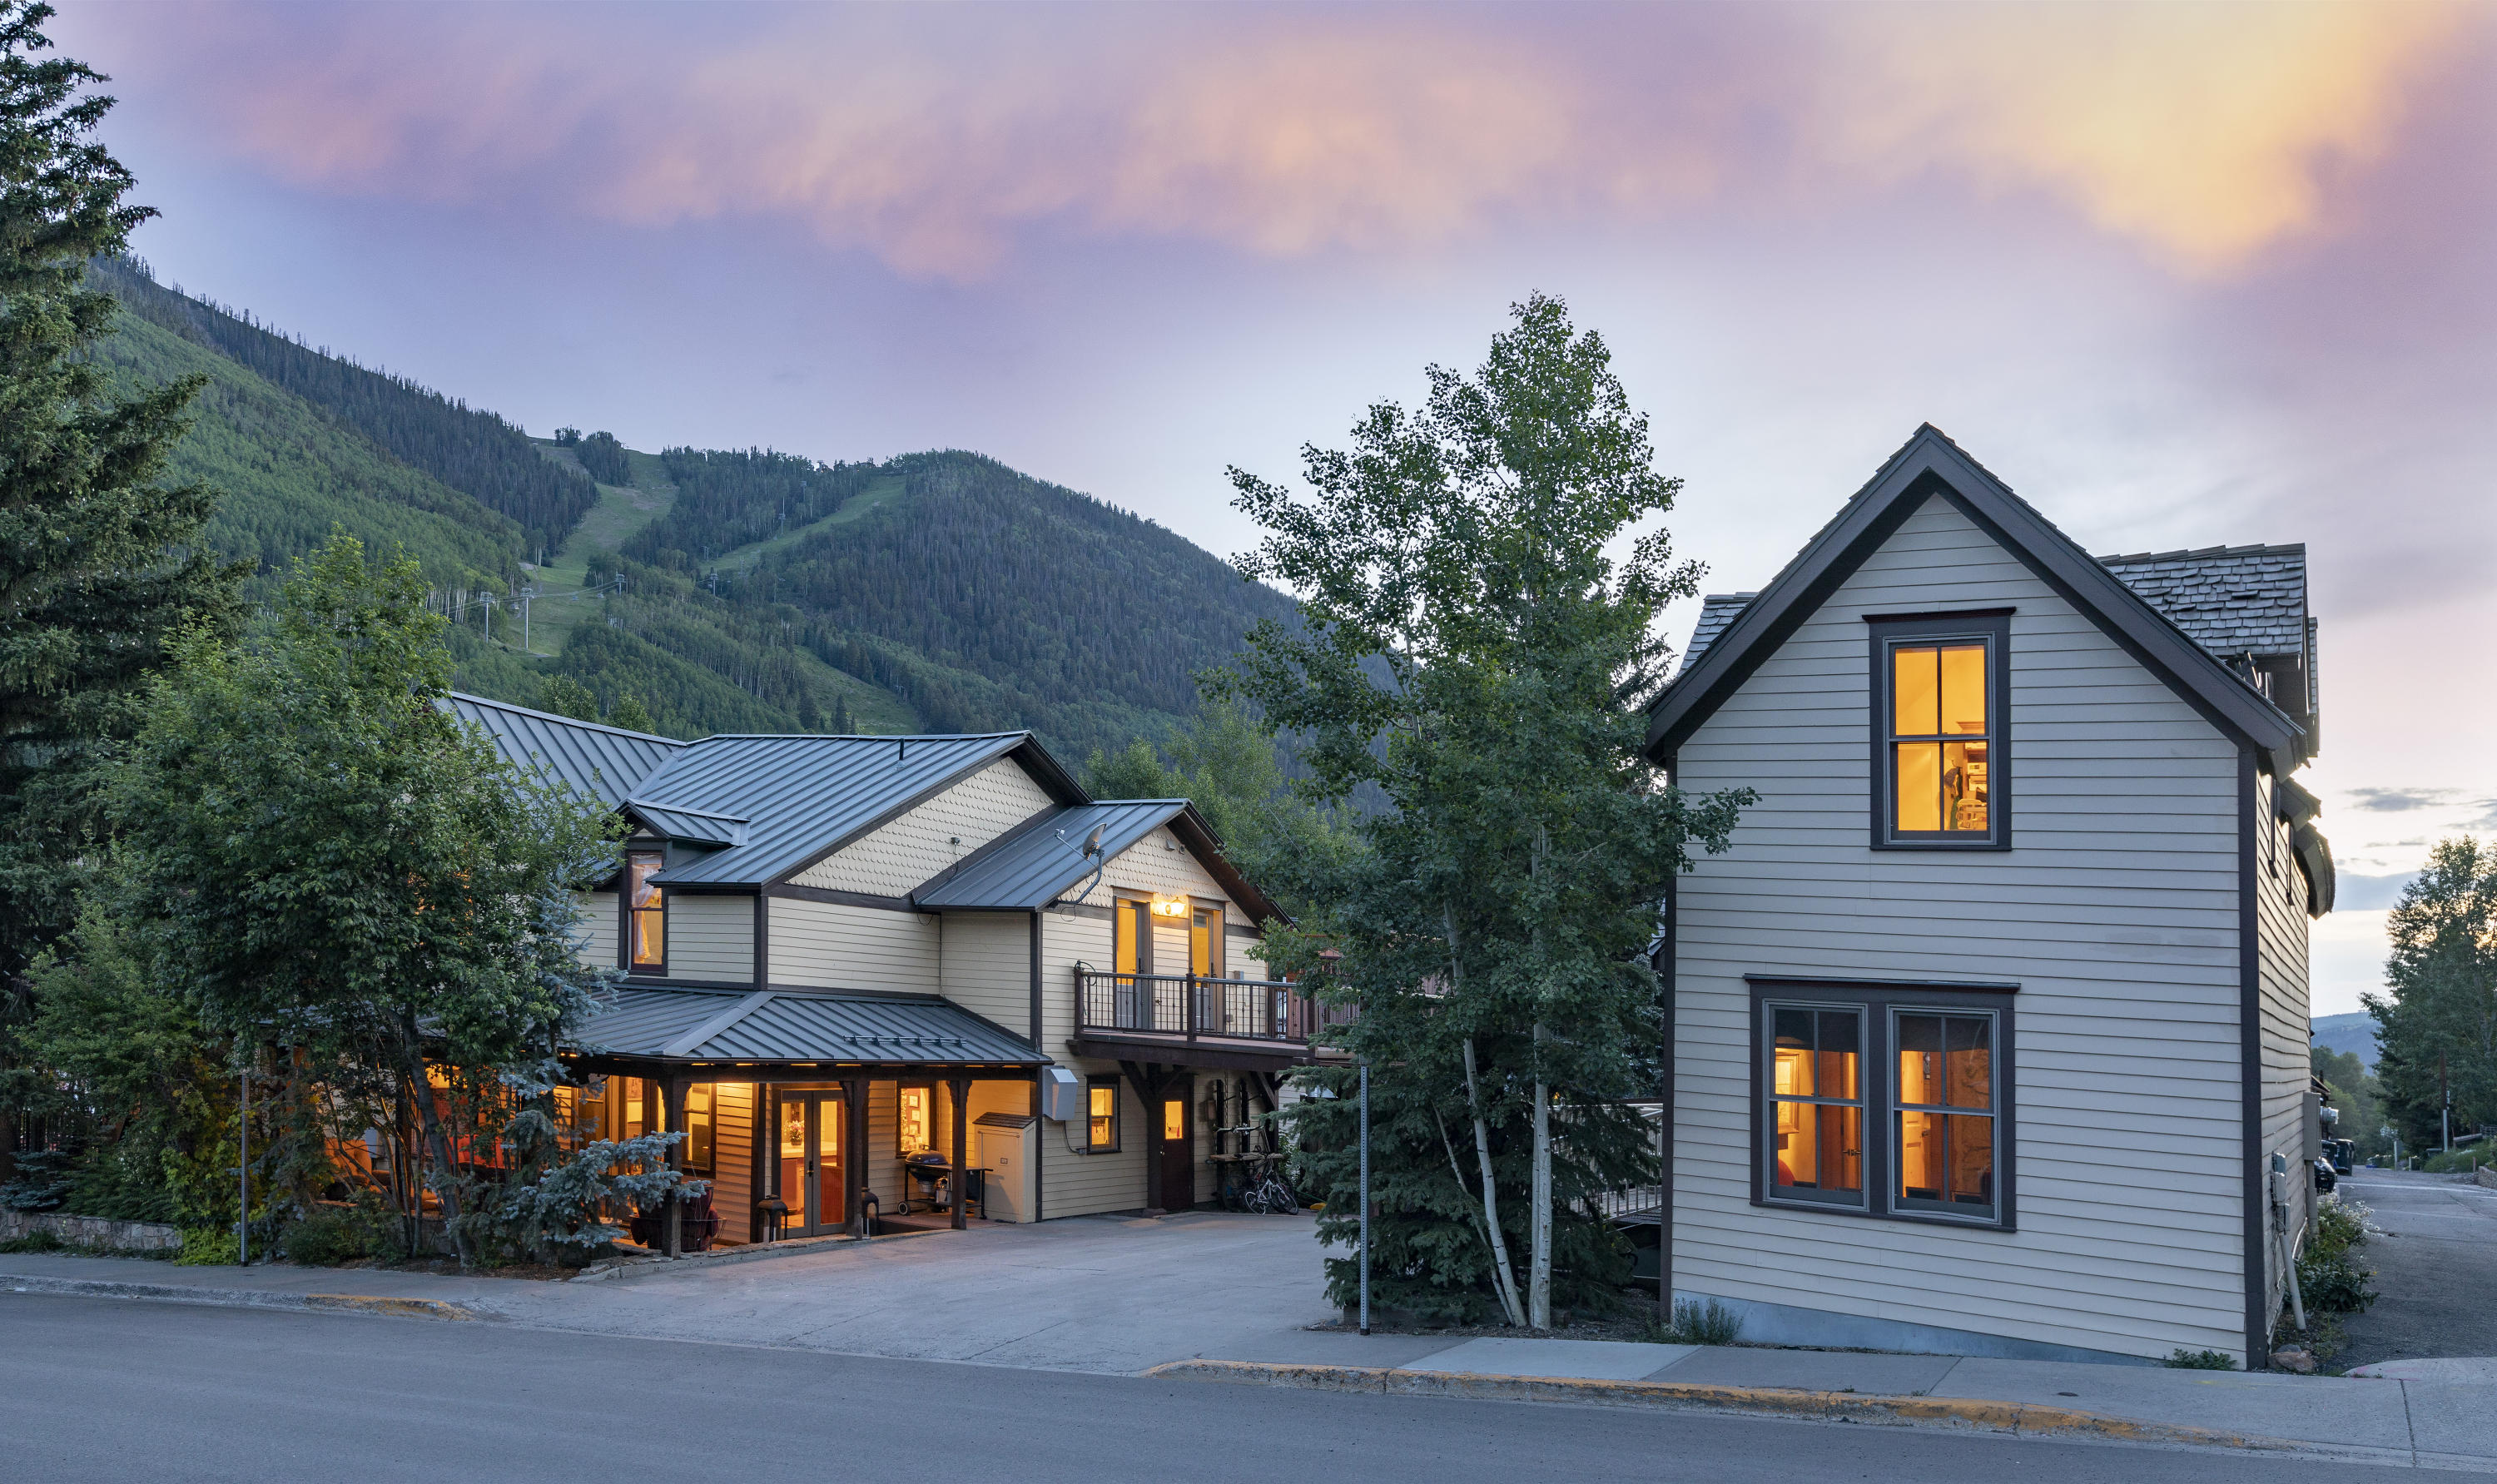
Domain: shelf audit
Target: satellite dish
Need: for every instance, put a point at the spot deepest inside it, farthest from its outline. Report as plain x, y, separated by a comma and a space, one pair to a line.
1092, 841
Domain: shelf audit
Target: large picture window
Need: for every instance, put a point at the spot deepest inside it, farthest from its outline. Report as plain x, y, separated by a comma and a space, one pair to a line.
1938, 715
1881, 1099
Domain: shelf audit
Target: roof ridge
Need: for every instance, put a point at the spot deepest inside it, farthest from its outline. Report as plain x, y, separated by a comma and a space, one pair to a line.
2187, 553
557, 716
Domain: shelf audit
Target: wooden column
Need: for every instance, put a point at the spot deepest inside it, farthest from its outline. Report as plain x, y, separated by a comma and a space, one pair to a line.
854, 1152
672, 1113
961, 1087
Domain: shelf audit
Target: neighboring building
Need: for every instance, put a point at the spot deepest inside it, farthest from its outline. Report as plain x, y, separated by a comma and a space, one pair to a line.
1989, 1026
842, 950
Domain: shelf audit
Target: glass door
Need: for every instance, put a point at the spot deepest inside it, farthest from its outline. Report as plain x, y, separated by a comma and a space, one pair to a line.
810, 1170
792, 1184
831, 1203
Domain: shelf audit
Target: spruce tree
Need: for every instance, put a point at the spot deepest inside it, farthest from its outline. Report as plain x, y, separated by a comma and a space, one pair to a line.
101, 564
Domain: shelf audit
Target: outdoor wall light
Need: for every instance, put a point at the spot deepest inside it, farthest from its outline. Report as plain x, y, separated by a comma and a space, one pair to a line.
1169, 906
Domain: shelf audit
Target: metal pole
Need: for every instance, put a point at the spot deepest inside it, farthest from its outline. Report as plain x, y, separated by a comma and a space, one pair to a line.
1365, 1197
242, 1131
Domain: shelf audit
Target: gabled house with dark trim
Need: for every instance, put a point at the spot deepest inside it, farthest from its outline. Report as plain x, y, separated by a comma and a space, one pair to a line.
1989, 1032
855, 967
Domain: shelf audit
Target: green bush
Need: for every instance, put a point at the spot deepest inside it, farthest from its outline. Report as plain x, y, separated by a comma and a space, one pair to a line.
2200, 1360
1708, 1322
327, 1238
207, 1247
2334, 1284
33, 1242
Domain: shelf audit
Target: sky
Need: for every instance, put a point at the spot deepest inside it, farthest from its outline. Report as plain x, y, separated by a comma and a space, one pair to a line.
2181, 275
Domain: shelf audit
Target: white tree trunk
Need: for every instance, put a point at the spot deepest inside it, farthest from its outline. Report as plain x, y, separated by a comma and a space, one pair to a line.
1503, 1275
1538, 1294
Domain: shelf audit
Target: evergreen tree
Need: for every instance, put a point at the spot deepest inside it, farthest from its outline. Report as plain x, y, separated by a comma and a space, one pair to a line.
100, 563
1493, 928
2438, 1018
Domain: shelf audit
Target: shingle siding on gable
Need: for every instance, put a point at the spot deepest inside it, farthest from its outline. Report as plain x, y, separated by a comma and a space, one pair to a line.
2116, 910
896, 856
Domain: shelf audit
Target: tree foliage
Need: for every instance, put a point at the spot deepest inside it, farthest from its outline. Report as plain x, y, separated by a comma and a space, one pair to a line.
1471, 645
2438, 1018
336, 865
100, 560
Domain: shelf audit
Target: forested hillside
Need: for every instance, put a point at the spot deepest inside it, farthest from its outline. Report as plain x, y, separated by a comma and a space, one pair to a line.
707, 590
471, 450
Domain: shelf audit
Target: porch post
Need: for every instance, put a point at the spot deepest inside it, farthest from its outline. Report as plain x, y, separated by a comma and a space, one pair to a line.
961, 1087
854, 1152
672, 1116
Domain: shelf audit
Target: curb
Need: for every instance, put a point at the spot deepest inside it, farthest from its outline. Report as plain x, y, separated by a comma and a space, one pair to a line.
743, 1252
243, 1298
2016, 1417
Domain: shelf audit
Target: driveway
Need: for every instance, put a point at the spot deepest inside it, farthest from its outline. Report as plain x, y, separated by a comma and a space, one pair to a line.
2436, 1266
1087, 1293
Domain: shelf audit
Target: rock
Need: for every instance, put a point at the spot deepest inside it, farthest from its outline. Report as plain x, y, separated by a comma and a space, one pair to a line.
2293, 1359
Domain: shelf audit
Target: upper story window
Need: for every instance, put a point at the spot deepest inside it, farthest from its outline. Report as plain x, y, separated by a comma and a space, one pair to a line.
1205, 942
1940, 746
1131, 936
645, 912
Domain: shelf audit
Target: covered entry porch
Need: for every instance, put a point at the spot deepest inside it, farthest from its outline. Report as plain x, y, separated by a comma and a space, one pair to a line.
817, 1113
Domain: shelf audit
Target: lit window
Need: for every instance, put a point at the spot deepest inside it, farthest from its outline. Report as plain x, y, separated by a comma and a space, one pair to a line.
1819, 1103
1205, 943
698, 1128
1174, 1120
918, 1127
1884, 1100
1945, 1111
649, 909
1101, 1125
1937, 723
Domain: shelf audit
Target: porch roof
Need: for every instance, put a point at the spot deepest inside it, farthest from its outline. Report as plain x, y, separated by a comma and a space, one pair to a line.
783, 1026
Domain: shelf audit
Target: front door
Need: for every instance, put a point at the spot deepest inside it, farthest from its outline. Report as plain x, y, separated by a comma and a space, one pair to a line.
1179, 1150
811, 1163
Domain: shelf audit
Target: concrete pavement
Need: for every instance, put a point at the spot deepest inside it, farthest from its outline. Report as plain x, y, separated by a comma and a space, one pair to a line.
1116, 1296
2436, 1268
93, 1391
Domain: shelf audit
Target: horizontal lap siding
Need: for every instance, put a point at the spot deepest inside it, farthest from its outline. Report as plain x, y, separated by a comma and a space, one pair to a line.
2288, 1060
836, 946
2115, 911
711, 938
599, 927
899, 856
986, 963
732, 1123
1081, 1184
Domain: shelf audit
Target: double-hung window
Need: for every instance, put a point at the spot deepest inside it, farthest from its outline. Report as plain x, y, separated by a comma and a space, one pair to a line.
645, 913
1938, 725
1101, 1116
1884, 1100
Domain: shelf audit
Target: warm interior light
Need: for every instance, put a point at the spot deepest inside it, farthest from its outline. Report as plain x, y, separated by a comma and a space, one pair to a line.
1170, 906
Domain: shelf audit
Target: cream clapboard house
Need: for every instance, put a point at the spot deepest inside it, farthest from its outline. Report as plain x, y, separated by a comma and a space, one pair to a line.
843, 952
1990, 1030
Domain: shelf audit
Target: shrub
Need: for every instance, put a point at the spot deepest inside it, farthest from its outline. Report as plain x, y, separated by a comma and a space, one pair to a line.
2200, 1360
2334, 1284
1708, 1322
327, 1238
32, 1242
207, 1247
2340, 1224
43, 1181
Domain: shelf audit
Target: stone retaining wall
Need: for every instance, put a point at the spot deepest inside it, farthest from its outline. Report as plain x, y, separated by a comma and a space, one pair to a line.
2486, 1174
92, 1231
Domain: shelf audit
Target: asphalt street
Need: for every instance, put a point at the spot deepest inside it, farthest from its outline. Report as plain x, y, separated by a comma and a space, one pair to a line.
2436, 1269
104, 1389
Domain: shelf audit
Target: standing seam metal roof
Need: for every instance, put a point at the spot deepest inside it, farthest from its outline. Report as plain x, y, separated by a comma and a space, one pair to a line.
1027, 872
804, 793
601, 762
777, 1026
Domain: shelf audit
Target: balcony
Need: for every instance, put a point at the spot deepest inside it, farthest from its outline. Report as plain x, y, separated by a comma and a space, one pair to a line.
1261, 1019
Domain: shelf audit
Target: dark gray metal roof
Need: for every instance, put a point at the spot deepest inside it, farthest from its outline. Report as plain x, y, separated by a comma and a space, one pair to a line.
1716, 611
1028, 870
698, 827
805, 796
781, 1027
2233, 601
601, 762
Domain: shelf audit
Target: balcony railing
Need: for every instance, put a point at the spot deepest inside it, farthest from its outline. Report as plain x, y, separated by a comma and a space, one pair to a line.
1190, 1007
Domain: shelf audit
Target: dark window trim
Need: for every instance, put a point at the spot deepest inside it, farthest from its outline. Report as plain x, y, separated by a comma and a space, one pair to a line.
902, 1085
1994, 626
1877, 1000
1117, 1113
624, 938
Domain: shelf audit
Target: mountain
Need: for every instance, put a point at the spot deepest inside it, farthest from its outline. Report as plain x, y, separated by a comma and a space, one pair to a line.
2354, 1033
720, 590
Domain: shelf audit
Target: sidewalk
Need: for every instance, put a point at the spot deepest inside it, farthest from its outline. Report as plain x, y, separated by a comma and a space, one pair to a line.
1134, 1297
2444, 1421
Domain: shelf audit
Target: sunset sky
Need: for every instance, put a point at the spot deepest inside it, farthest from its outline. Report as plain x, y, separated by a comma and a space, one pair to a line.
2183, 276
